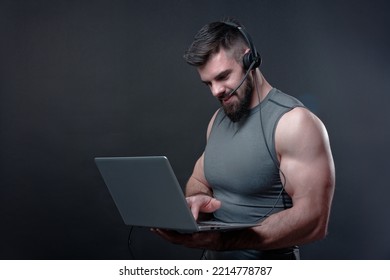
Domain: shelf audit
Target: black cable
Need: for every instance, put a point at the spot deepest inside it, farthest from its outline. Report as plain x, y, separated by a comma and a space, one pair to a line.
129, 243
283, 182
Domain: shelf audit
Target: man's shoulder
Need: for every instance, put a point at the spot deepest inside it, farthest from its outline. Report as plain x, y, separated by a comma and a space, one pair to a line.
299, 115
299, 126
300, 119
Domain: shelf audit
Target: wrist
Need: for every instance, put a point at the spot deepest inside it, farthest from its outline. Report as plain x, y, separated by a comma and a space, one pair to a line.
238, 240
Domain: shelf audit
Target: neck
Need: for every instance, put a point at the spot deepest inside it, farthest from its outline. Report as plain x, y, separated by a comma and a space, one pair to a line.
261, 88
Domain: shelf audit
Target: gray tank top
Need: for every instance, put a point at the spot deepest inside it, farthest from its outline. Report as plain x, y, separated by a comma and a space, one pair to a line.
238, 163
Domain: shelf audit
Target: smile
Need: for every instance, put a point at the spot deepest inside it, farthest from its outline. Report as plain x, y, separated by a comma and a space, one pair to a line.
227, 97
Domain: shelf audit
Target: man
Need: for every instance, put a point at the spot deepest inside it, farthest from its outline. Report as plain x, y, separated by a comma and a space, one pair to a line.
267, 157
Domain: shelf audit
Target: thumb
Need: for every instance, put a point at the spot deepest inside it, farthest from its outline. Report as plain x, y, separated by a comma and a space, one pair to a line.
213, 205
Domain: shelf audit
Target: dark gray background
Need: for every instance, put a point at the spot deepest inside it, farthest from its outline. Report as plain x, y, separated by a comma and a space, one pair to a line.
80, 79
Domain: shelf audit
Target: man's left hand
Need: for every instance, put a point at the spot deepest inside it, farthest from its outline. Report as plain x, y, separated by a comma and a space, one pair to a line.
211, 240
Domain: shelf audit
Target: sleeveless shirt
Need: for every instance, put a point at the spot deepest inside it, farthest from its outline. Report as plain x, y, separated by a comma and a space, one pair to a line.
241, 163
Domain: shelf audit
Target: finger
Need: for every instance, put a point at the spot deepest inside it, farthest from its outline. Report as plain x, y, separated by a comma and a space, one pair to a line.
195, 211
194, 205
202, 203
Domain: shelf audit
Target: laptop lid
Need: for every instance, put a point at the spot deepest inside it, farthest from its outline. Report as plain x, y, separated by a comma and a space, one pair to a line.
148, 194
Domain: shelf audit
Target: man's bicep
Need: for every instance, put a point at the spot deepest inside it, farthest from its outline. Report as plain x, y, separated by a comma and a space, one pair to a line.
306, 159
309, 182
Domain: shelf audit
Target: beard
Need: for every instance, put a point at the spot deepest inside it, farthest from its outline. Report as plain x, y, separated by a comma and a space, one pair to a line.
240, 109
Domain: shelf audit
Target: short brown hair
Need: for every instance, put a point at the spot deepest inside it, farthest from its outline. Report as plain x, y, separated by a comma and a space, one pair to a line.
210, 39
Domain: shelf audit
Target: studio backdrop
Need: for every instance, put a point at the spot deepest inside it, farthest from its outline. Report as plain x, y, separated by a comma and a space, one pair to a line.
80, 79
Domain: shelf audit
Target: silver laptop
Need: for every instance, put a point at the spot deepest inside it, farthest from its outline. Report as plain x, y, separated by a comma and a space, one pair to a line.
147, 194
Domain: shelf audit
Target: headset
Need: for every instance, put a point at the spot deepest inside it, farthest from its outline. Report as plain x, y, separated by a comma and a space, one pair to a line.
252, 59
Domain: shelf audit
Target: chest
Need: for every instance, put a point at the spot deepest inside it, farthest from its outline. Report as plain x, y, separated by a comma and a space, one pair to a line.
238, 160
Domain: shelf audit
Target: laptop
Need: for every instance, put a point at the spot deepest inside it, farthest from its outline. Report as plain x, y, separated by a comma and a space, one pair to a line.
147, 194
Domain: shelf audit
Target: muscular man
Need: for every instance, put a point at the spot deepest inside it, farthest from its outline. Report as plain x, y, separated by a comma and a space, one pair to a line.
267, 157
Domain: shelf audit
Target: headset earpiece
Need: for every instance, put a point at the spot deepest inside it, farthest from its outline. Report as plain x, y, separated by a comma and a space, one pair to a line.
249, 59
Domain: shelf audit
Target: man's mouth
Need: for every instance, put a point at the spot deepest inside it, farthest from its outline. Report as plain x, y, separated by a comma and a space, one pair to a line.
226, 97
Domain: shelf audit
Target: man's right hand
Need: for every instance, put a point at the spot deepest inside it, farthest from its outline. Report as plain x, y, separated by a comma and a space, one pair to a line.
202, 203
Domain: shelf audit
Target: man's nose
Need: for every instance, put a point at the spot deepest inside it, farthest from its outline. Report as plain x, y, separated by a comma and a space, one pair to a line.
218, 90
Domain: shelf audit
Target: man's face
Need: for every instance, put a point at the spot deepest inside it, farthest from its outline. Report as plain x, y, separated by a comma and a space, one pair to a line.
222, 74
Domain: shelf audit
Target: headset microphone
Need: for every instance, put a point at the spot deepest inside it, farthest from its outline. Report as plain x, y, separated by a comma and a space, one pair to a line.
243, 79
